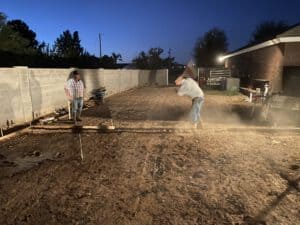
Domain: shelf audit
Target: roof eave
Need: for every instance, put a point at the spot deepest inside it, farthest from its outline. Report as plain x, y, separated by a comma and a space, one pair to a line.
272, 42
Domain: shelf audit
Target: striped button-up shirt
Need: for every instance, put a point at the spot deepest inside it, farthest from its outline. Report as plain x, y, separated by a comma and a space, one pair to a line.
74, 89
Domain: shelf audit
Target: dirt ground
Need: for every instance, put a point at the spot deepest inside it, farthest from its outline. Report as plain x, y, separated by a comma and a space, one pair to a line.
208, 176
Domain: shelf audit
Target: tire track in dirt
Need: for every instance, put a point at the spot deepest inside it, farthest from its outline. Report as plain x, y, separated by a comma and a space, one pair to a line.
135, 207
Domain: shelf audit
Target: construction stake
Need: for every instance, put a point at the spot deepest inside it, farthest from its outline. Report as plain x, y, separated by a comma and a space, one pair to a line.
69, 109
80, 145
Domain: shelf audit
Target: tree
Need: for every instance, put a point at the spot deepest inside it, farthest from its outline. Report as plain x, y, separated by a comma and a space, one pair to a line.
22, 28
14, 48
77, 49
117, 57
153, 60
107, 62
208, 47
267, 30
11, 41
141, 61
68, 45
18, 46
2, 19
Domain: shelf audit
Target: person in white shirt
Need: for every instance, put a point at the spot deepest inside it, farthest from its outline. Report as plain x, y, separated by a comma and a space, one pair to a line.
189, 87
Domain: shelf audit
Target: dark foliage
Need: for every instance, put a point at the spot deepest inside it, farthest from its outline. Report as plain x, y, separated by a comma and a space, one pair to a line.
23, 30
208, 47
267, 30
153, 60
19, 47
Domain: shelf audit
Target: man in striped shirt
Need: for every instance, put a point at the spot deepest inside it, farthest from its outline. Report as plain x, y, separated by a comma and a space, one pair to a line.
74, 89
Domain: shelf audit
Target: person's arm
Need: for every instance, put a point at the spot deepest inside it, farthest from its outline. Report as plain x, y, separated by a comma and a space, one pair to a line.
68, 91
83, 88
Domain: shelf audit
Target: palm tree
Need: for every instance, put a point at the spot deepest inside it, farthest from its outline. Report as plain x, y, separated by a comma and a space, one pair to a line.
117, 57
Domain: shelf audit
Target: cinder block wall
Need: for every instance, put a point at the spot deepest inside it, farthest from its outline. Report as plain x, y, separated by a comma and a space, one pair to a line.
27, 93
46, 87
14, 96
266, 63
153, 77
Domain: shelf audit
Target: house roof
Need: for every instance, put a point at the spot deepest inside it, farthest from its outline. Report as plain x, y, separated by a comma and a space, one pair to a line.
291, 35
291, 32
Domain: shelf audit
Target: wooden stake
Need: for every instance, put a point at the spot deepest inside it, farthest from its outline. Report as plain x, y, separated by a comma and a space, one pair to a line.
100, 129
69, 109
80, 145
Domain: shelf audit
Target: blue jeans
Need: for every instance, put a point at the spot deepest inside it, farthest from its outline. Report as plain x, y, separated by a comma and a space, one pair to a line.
196, 108
77, 105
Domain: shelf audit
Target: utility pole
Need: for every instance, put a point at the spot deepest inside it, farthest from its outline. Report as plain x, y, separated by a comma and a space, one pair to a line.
169, 53
169, 58
169, 66
100, 45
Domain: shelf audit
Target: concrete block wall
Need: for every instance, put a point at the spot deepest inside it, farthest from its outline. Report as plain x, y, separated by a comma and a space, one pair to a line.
47, 92
128, 79
112, 81
153, 77
14, 96
92, 79
27, 93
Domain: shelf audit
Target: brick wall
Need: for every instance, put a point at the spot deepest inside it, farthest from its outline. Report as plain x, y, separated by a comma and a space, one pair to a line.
266, 63
292, 54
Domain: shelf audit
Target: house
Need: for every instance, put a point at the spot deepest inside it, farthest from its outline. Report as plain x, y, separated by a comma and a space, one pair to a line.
276, 60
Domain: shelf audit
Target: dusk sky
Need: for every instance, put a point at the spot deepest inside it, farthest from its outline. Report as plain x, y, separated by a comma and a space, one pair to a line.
130, 26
